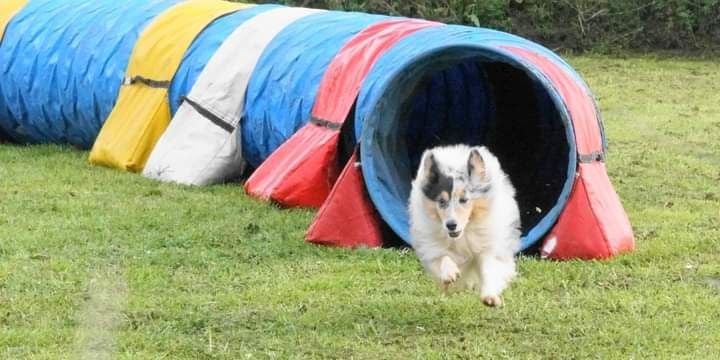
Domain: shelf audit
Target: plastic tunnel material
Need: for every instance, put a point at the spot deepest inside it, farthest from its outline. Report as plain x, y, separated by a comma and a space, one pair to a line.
200, 146
61, 89
331, 109
302, 170
285, 83
142, 111
8, 9
204, 47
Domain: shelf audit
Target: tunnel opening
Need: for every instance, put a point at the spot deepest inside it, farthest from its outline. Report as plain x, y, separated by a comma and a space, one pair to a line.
478, 99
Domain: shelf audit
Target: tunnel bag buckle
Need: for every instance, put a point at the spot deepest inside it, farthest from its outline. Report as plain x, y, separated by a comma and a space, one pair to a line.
592, 157
325, 123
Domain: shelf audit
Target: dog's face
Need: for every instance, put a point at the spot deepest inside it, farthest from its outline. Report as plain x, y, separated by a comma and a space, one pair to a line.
455, 199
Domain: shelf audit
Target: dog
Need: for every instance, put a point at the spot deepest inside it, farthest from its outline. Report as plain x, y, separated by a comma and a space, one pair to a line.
464, 220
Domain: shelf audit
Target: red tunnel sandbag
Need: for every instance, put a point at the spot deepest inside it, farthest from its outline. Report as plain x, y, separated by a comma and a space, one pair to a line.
593, 225
348, 217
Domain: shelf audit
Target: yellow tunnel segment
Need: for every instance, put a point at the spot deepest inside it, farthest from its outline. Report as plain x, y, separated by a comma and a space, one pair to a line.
8, 9
142, 110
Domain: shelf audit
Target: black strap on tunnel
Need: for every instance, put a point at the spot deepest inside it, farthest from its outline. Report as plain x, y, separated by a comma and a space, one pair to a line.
325, 123
592, 157
209, 115
159, 84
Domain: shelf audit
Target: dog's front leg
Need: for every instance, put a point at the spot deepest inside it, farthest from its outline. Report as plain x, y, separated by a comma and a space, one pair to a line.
445, 270
495, 275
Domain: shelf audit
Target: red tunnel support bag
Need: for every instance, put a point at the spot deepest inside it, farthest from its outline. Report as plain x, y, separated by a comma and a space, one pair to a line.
348, 218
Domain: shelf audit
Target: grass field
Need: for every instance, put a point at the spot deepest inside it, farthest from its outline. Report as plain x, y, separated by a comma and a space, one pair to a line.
95, 263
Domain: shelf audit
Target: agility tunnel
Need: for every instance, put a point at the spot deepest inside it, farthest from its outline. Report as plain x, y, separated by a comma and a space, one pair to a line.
323, 109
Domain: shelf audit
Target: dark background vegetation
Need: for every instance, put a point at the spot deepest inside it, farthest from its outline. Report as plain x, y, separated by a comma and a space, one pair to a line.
691, 26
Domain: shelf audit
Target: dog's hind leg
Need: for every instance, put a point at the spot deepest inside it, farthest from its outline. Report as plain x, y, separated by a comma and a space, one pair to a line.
495, 274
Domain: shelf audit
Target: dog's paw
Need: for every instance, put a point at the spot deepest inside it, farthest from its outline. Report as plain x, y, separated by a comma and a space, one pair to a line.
450, 277
492, 300
449, 272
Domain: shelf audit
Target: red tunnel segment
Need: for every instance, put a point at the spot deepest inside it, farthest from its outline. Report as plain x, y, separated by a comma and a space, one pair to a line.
302, 171
593, 223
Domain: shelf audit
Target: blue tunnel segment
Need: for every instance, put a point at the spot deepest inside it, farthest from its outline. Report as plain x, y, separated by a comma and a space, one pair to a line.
62, 63
285, 82
410, 102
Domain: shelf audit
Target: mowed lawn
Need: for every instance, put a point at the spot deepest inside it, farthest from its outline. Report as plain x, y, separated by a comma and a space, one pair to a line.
97, 263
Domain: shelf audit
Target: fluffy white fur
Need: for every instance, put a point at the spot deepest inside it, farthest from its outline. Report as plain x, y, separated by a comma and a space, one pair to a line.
482, 256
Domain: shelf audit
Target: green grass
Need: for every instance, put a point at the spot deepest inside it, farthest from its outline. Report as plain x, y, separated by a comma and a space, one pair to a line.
208, 273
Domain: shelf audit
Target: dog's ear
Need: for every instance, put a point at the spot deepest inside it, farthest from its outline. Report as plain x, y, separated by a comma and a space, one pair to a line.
476, 167
429, 167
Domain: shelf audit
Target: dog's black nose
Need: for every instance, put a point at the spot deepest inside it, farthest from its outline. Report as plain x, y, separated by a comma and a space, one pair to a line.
451, 225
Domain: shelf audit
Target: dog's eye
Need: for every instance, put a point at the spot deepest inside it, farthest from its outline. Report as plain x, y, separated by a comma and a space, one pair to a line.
463, 200
443, 203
